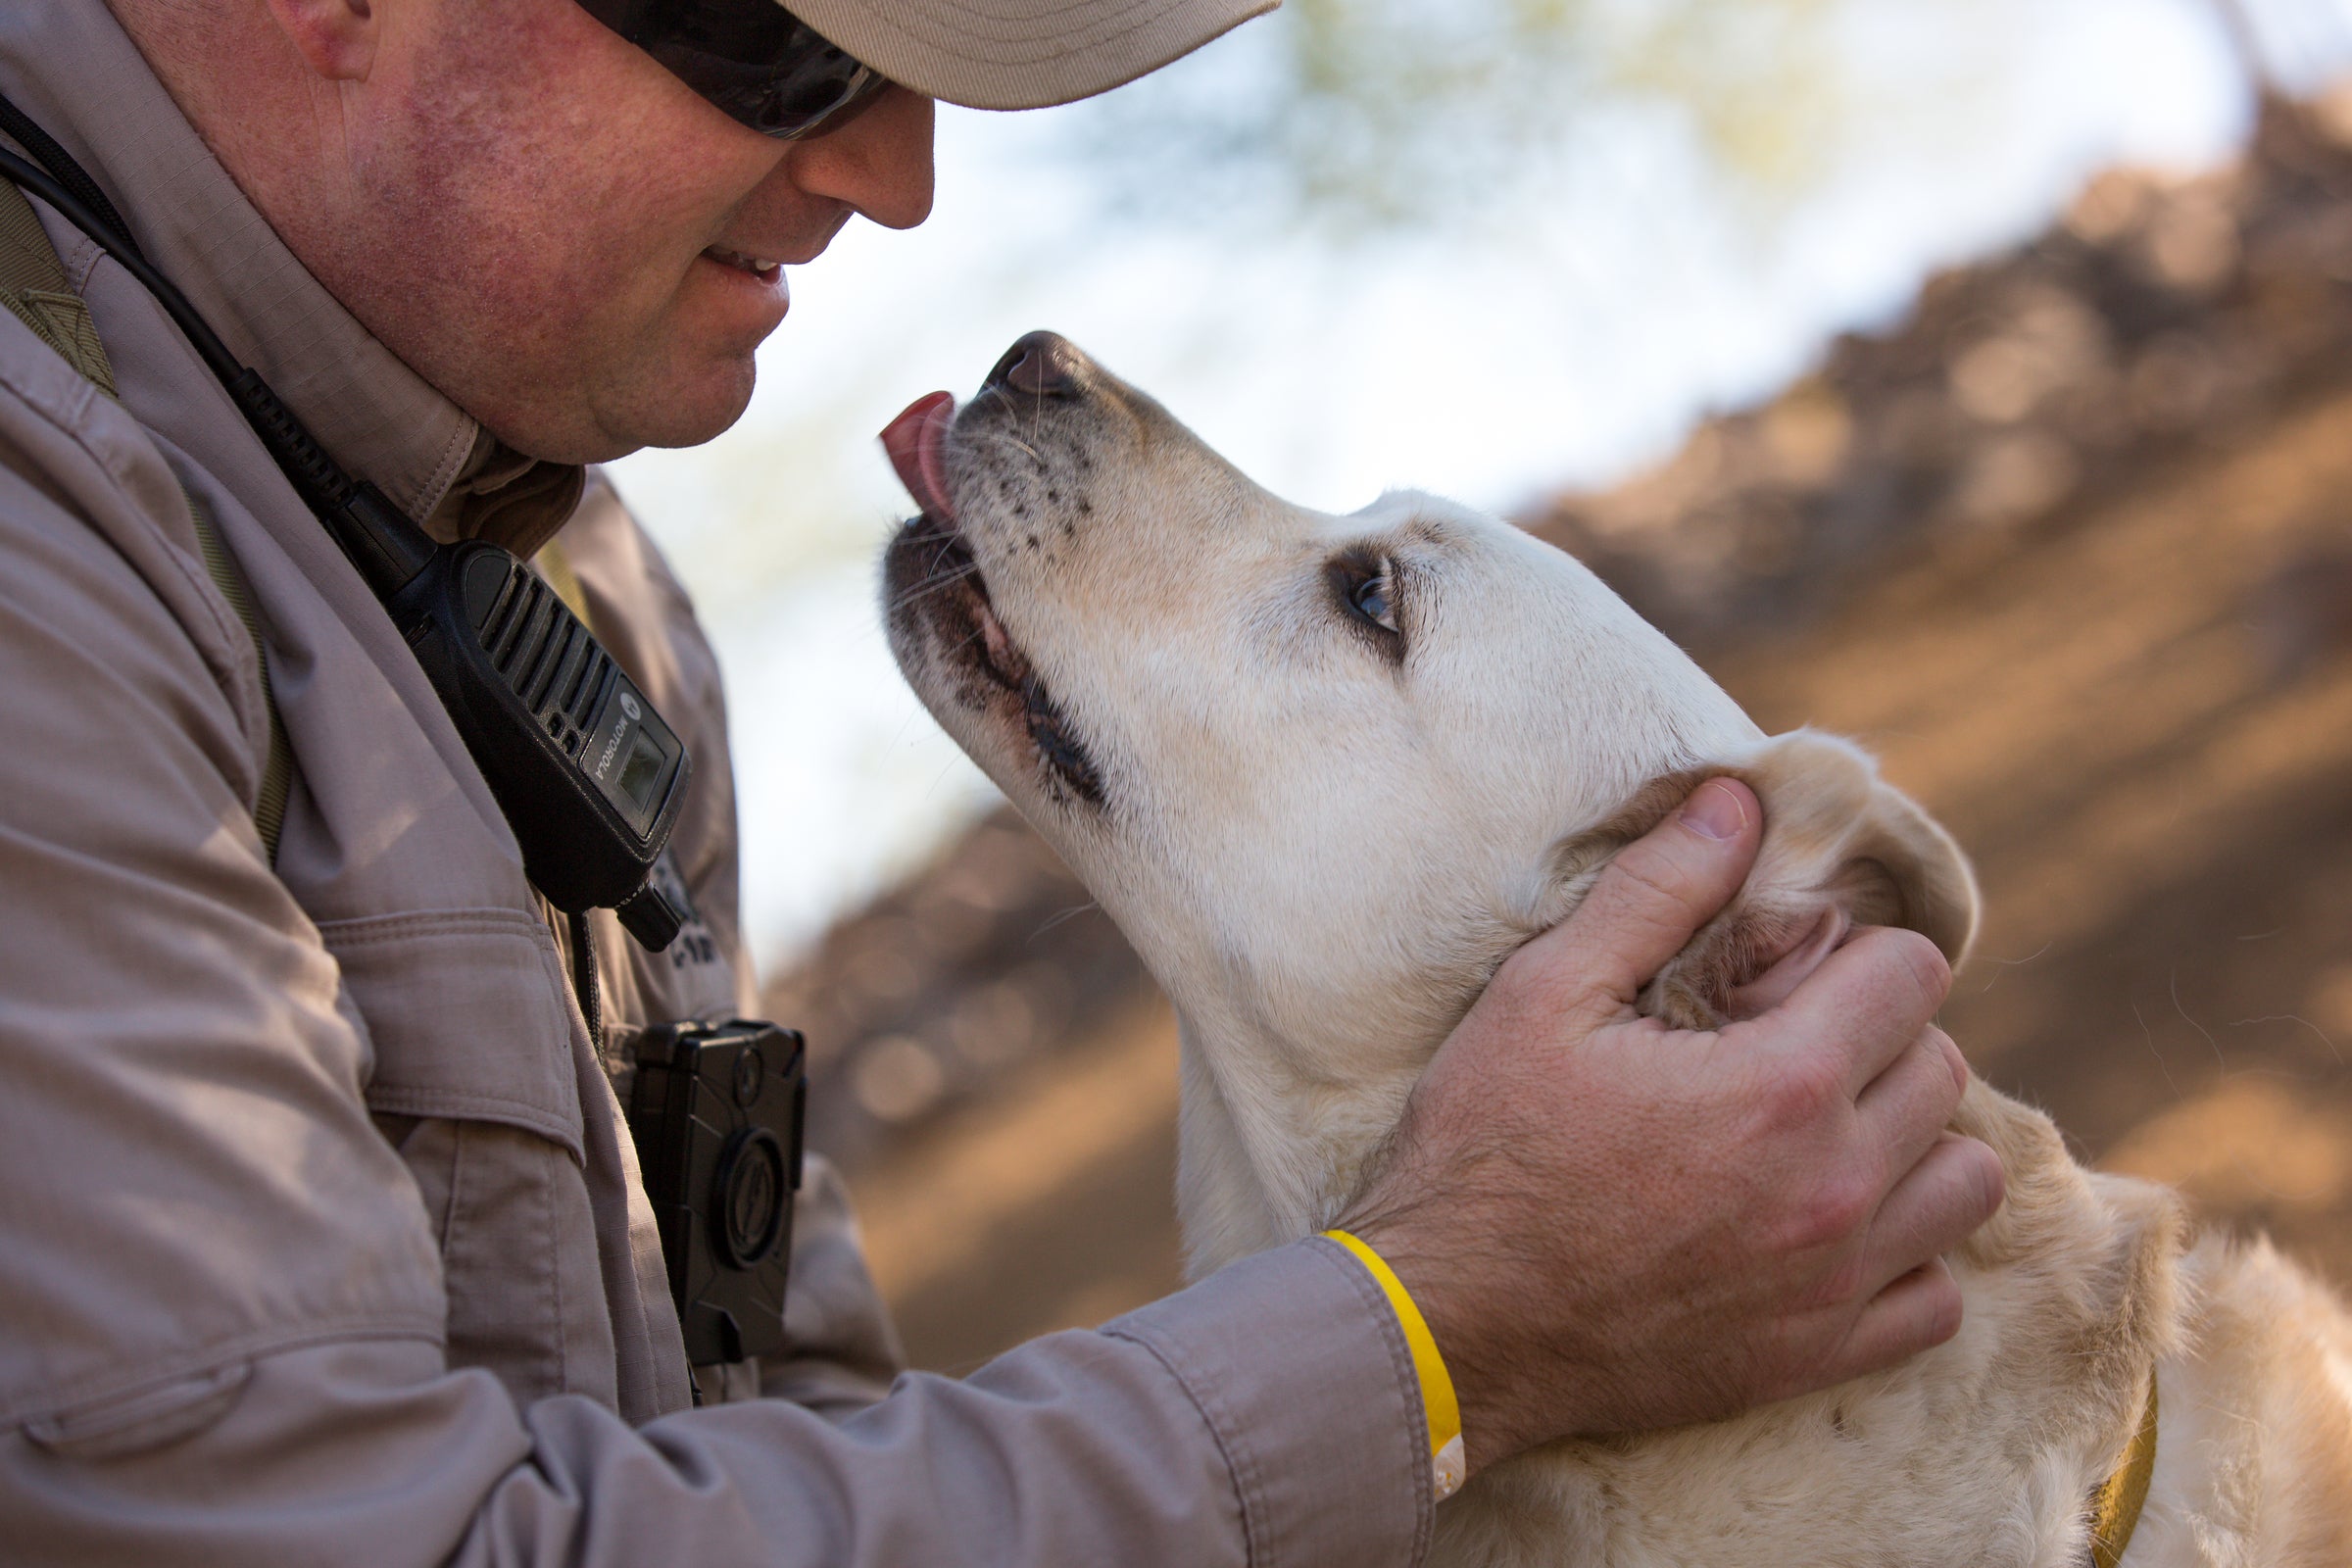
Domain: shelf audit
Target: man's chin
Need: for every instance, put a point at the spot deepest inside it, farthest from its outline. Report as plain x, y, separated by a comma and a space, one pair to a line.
678, 410
692, 416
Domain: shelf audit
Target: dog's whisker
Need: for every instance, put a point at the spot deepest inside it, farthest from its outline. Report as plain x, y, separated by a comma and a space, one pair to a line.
2162, 1066
1063, 918
2009, 963
917, 595
980, 442
962, 643
932, 585
2325, 1038
2219, 1060
939, 581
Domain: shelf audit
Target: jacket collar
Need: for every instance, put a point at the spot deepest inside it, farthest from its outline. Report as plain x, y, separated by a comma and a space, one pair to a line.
69, 64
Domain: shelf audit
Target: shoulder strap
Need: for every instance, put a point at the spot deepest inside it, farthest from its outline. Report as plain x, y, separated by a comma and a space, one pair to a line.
556, 567
278, 767
35, 289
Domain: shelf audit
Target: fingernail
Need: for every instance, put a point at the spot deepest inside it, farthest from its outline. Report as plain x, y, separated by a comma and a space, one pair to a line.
1714, 813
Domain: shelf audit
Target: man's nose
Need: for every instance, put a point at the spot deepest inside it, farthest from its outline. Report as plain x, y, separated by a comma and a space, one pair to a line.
879, 164
1042, 364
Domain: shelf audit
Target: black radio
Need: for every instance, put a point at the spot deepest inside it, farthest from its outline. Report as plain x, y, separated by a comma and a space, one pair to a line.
572, 748
716, 1115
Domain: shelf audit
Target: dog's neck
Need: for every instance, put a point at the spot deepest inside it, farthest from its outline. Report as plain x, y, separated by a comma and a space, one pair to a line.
2075, 1274
1268, 1152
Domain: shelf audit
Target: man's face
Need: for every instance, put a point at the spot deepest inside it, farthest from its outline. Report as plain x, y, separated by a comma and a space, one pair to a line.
560, 236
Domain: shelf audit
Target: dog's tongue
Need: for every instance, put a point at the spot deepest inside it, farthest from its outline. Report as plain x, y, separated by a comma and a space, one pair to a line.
913, 442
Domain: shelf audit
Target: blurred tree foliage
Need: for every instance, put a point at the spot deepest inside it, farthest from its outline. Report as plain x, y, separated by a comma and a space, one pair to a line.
1344, 117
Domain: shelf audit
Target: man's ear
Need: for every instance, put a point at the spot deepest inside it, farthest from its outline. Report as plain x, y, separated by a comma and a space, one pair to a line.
1841, 849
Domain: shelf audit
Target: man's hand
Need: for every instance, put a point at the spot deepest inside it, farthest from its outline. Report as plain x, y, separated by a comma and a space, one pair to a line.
1612, 1226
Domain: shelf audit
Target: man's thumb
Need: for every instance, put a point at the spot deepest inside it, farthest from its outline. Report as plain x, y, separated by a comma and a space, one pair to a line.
1661, 888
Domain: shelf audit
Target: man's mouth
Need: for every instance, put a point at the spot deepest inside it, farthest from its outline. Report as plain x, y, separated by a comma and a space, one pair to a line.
759, 266
936, 582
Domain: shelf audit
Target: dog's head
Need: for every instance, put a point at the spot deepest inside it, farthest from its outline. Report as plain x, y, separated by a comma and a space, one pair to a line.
1328, 771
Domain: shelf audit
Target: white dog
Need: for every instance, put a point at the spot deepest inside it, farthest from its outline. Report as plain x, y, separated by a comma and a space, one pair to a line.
1328, 771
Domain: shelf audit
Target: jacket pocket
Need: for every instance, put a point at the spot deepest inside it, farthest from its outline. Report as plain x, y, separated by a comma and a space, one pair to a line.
121, 1425
477, 1082
466, 1010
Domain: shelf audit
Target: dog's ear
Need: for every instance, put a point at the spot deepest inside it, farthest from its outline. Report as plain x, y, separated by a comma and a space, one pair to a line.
1841, 849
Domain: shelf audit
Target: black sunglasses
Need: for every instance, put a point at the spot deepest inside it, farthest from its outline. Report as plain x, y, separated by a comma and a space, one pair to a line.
751, 58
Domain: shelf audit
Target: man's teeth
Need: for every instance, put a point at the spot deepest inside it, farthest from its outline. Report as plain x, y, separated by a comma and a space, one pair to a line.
740, 261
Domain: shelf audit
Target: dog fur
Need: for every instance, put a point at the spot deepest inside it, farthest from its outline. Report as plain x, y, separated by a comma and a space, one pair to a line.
1323, 833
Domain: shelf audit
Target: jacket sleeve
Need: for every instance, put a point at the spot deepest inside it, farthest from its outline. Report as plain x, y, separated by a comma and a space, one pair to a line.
843, 1349
1257, 1418
222, 1291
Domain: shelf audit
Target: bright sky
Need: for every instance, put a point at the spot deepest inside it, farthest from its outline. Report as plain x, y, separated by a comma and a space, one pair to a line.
1628, 302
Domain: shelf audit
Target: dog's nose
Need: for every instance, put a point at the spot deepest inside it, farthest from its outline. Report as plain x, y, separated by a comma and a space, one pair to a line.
1042, 364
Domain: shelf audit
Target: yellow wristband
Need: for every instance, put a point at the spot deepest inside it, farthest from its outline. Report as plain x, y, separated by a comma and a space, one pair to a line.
1447, 1468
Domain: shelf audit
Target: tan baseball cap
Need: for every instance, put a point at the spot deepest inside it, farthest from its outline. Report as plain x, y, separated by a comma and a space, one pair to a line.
1020, 54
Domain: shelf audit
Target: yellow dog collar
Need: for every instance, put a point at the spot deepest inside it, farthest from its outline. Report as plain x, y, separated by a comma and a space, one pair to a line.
2115, 1508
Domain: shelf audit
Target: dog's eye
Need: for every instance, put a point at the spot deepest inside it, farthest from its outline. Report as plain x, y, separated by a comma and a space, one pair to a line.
1369, 598
1365, 590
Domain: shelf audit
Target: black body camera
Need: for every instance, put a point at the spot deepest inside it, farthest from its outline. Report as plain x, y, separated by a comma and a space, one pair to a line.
716, 1115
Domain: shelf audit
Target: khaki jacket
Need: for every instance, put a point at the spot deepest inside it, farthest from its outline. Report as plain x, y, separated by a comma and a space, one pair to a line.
321, 1232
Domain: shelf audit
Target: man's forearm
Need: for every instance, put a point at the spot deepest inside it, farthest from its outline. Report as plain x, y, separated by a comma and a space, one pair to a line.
1265, 1415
